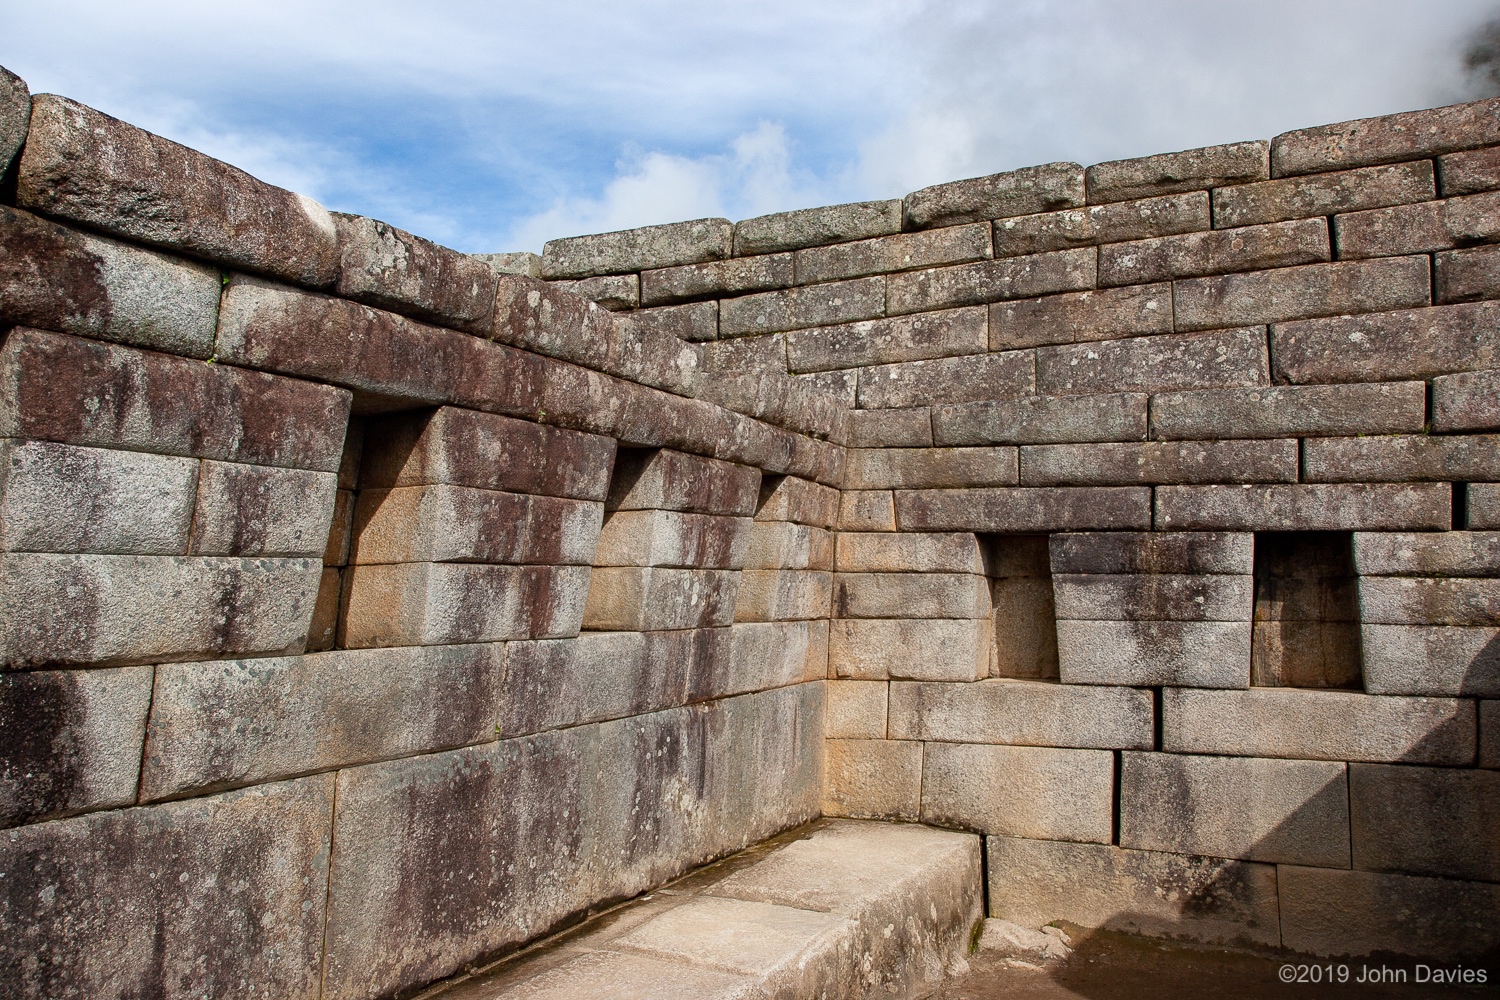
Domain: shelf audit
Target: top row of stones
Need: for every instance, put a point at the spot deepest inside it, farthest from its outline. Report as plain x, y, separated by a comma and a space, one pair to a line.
1032, 190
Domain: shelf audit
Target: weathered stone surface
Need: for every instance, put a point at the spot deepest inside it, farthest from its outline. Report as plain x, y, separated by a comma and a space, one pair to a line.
1412, 343
340, 530
70, 740
1076, 317
1250, 248
903, 338
991, 280
1489, 734
1159, 462
551, 320
910, 595
745, 354
1156, 552
15, 116
874, 779
788, 498
664, 479
1189, 170
1042, 419
1023, 509
772, 595
608, 291
325, 618
578, 973
778, 399
1204, 654
1036, 882
1302, 292
519, 262
91, 609
446, 523
1219, 359
788, 545
1410, 135
1013, 791
1469, 173
909, 427
929, 468
83, 165
810, 227
241, 722
762, 655
1077, 227
856, 710
1405, 458
643, 599
880, 552
1253, 809
807, 306
383, 266
1155, 596
96, 914
62, 279
1323, 194
1329, 912
839, 385
642, 249
735, 276
867, 510
1393, 600
1025, 619
1026, 191
1419, 228
1466, 275
1021, 712
1287, 411
1484, 506
1314, 507
258, 510
673, 538
696, 322
1318, 725
931, 649
1425, 821
901, 252
1006, 375
1425, 554
431, 604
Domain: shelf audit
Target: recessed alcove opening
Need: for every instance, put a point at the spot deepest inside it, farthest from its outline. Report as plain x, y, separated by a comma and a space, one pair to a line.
1306, 623
629, 464
1024, 619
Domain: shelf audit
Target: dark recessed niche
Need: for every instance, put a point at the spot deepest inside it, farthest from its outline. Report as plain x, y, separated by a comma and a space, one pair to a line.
1306, 611
1024, 641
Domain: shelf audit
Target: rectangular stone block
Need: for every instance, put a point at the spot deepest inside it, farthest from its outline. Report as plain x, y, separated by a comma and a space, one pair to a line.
1425, 821
880, 552
1150, 553
442, 523
383, 266
887, 254
673, 538
1290, 411
810, 227
788, 545
1025, 509
910, 595
1129, 597
839, 385
1011, 791
15, 116
763, 655
867, 510
82, 165
1024, 713
1420, 228
1204, 654
1251, 248
642, 249
788, 498
1027, 191
1402, 458
258, 510
1189, 170
1007, 375
909, 427
1036, 882
1425, 554
1328, 912
1096, 224
664, 479
1319, 725
1253, 809
520, 262
1484, 506
1394, 600
873, 779
770, 595
799, 308
614, 292
933, 649
745, 354
1323, 194
1315, 507
72, 741
856, 710
903, 338
734, 276
696, 322
1470, 172
1383, 347
929, 468
1466, 275
1410, 135
1302, 292
1220, 359
1118, 416
991, 280
1159, 463
1076, 317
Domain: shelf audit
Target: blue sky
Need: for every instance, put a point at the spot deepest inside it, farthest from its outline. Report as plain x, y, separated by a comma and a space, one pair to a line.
497, 126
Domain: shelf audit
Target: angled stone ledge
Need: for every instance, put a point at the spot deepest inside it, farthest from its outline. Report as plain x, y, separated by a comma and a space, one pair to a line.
1323, 194
381, 265
1079, 227
810, 227
1189, 170
1019, 192
1409, 135
637, 249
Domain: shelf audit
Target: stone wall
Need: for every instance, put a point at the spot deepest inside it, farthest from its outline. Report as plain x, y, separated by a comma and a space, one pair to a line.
369, 609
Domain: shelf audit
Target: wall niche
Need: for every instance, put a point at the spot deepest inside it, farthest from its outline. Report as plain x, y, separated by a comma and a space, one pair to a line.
1306, 611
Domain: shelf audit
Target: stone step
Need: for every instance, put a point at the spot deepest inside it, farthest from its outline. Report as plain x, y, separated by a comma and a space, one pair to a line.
835, 909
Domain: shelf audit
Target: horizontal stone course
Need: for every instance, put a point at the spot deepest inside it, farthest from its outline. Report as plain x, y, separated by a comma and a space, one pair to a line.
1278, 244
608, 291
900, 427
1466, 275
1077, 227
887, 254
929, 468
1452, 554
1305, 507
735, 276
910, 595
1019, 791
1483, 506
1384, 347
875, 779
1189, 170
1152, 553
664, 479
816, 227
1023, 713
1402, 458
902, 338
1285, 411
1194, 654
1157, 596
1420, 600
788, 498
637, 249
1043, 420
1005, 375
1418, 228
1408, 135
670, 538
1469, 172
1158, 462
778, 595
446, 523
1323, 194
856, 710
651, 598
908, 552
256, 510
1026, 191
1024, 509
1076, 317
799, 308
991, 281
927, 649
1169, 362
1302, 292
1425, 821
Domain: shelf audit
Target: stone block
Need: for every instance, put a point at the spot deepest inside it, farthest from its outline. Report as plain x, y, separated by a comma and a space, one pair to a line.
1220, 359
1405, 458
1319, 725
550, 319
70, 741
646, 248
1425, 554
909, 427
1425, 821
558, 683
788, 545
643, 599
1152, 553
856, 710
1302, 292
340, 530
443, 523
991, 281
929, 468
664, 479
1484, 506
1383, 347
102, 609
881, 552
1489, 734
1354, 913
673, 538
1410, 135
1314, 507
735, 276
887, 254
519, 262
325, 618
951, 649
806, 306
1394, 600
1204, 654
771, 595
1215, 900
1323, 194
745, 354
15, 116
940, 334
695, 322
1189, 170
1006, 375
1025, 626
1096, 224
839, 385
1026, 191
1025, 509
258, 510
1419, 228
812, 227
62, 279
763, 655
867, 510
383, 266
1013, 791
1078, 317
1253, 809
1117, 416
615, 292
248, 884
1159, 462
1158, 596
873, 779
1250, 248
788, 498
1469, 172
910, 595
1466, 275
240, 722
816, 668
433, 604
1023, 713
1290, 411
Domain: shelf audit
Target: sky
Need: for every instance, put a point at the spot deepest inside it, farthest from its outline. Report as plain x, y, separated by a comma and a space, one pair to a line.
496, 126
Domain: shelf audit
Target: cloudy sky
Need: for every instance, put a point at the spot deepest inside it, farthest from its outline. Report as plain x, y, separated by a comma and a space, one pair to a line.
498, 126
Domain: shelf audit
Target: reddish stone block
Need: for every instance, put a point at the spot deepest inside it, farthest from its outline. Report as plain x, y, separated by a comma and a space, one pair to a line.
383, 266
